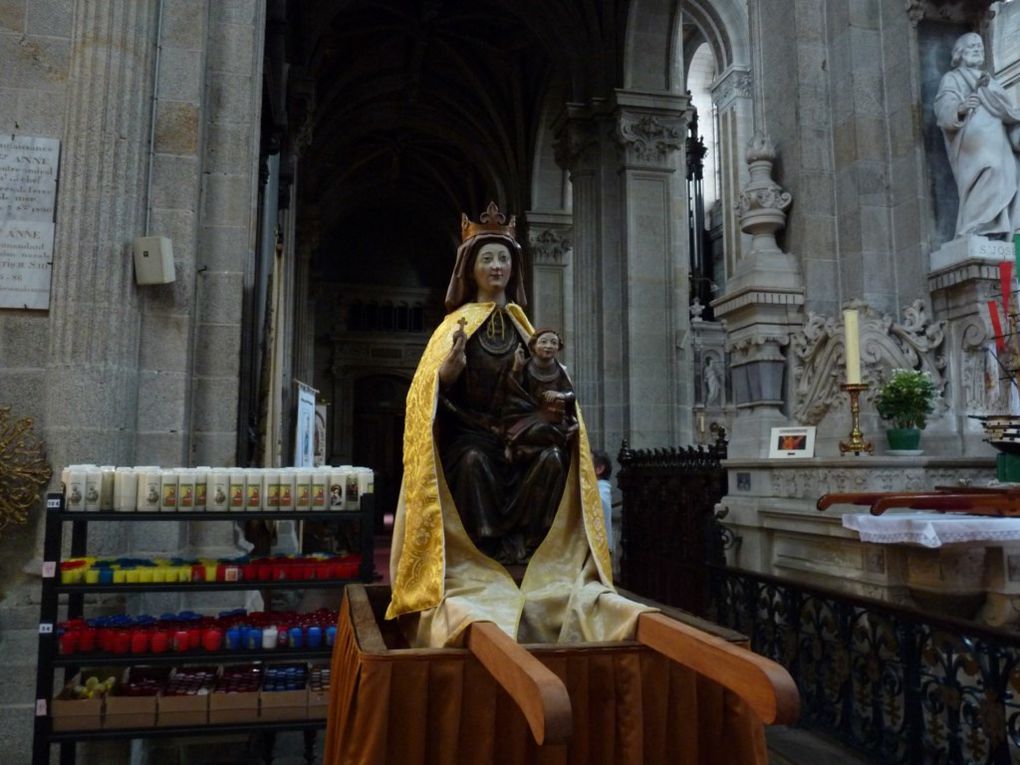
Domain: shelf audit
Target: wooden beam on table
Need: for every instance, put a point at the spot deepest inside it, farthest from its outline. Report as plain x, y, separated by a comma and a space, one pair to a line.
764, 685
854, 498
539, 693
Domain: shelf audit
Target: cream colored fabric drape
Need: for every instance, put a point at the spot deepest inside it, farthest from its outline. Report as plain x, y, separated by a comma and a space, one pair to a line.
442, 582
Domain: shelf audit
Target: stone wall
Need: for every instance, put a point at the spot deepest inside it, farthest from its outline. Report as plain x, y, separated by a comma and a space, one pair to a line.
157, 108
158, 137
35, 47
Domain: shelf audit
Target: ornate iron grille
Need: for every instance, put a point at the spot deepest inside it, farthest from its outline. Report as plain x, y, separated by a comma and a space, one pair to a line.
896, 684
669, 530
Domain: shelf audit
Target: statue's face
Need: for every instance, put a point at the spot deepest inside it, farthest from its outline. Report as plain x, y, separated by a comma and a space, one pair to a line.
547, 345
492, 268
973, 53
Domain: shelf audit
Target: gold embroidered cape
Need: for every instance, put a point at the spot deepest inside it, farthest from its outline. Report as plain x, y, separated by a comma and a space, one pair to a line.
441, 582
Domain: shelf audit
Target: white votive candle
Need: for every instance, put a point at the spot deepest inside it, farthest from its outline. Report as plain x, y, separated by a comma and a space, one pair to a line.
125, 490
852, 344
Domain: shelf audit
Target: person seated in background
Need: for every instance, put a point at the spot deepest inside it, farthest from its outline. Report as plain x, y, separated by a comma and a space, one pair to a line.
604, 471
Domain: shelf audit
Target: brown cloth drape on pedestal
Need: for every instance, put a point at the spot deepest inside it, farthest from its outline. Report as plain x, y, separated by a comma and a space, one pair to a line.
441, 707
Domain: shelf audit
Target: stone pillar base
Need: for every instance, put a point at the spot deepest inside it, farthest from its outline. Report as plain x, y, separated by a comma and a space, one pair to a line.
970, 248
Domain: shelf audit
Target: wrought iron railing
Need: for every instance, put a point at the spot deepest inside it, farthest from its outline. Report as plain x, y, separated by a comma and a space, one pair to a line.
896, 684
669, 498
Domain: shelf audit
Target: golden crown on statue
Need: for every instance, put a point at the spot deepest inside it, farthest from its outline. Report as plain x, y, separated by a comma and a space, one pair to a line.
492, 221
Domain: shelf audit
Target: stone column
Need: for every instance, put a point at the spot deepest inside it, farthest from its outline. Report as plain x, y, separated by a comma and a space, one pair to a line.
304, 320
761, 306
92, 363
732, 98
577, 150
650, 132
227, 222
551, 297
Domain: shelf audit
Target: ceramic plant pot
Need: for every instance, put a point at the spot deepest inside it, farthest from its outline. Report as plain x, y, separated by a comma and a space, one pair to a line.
904, 440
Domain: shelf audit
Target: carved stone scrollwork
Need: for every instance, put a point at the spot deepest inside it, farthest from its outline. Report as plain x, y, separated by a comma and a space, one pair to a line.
762, 203
549, 245
915, 11
649, 138
772, 198
758, 347
982, 389
734, 84
24, 470
576, 146
305, 134
819, 356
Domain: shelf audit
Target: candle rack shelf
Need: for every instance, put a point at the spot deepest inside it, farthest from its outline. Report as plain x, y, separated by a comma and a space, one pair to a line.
50, 660
195, 656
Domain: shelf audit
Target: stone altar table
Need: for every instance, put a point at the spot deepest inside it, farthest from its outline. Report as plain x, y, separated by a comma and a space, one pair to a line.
931, 529
770, 510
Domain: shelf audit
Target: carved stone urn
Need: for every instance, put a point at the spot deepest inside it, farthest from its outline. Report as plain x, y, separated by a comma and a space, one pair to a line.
763, 202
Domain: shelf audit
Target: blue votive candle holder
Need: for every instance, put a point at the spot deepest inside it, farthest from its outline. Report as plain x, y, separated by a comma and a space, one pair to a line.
314, 637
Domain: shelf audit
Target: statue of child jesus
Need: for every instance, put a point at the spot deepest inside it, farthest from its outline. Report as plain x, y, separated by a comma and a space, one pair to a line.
538, 403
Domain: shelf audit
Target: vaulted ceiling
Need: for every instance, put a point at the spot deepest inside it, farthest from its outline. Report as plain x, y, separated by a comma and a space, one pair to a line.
422, 109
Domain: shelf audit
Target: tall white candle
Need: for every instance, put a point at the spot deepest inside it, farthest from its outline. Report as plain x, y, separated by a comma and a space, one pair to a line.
852, 343
125, 490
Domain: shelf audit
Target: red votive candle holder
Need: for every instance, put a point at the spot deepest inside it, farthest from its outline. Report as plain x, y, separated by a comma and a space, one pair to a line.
181, 641
159, 642
122, 641
106, 639
87, 639
139, 641
212, 639
69, 642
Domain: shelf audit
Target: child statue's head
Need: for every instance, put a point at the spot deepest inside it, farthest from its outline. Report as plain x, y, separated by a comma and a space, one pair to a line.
545, 343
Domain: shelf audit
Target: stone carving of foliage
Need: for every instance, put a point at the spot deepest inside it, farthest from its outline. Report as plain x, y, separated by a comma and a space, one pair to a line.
982, 389
648, 138
819, 362
550, 245
737, 84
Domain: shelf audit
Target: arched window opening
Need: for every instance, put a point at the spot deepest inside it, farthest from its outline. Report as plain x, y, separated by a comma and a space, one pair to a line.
700, 75
702, 178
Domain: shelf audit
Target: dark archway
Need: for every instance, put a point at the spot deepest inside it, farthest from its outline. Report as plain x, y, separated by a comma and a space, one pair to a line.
379, 436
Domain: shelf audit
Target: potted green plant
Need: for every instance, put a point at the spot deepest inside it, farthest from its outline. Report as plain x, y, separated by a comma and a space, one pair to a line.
906, 399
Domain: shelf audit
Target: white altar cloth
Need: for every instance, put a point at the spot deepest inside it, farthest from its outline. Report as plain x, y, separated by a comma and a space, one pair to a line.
931, 529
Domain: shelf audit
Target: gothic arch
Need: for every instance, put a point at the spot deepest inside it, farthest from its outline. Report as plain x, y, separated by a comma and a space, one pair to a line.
650, 58
654, 62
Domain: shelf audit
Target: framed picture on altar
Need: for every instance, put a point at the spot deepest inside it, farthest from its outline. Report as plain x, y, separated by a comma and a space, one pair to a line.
785, 443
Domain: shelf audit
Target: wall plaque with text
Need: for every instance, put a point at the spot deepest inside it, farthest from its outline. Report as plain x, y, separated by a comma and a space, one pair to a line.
28, 198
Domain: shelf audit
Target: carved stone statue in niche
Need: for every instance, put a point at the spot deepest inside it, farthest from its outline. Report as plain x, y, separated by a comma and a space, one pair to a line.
713, 382
982, 134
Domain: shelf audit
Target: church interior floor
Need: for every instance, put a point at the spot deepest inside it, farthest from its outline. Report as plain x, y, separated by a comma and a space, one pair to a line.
797, 746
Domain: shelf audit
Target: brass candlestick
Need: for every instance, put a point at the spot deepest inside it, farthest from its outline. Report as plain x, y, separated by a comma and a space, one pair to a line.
856, 442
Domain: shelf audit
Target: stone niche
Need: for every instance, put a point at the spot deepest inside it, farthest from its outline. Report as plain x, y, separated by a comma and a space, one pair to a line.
770, 509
